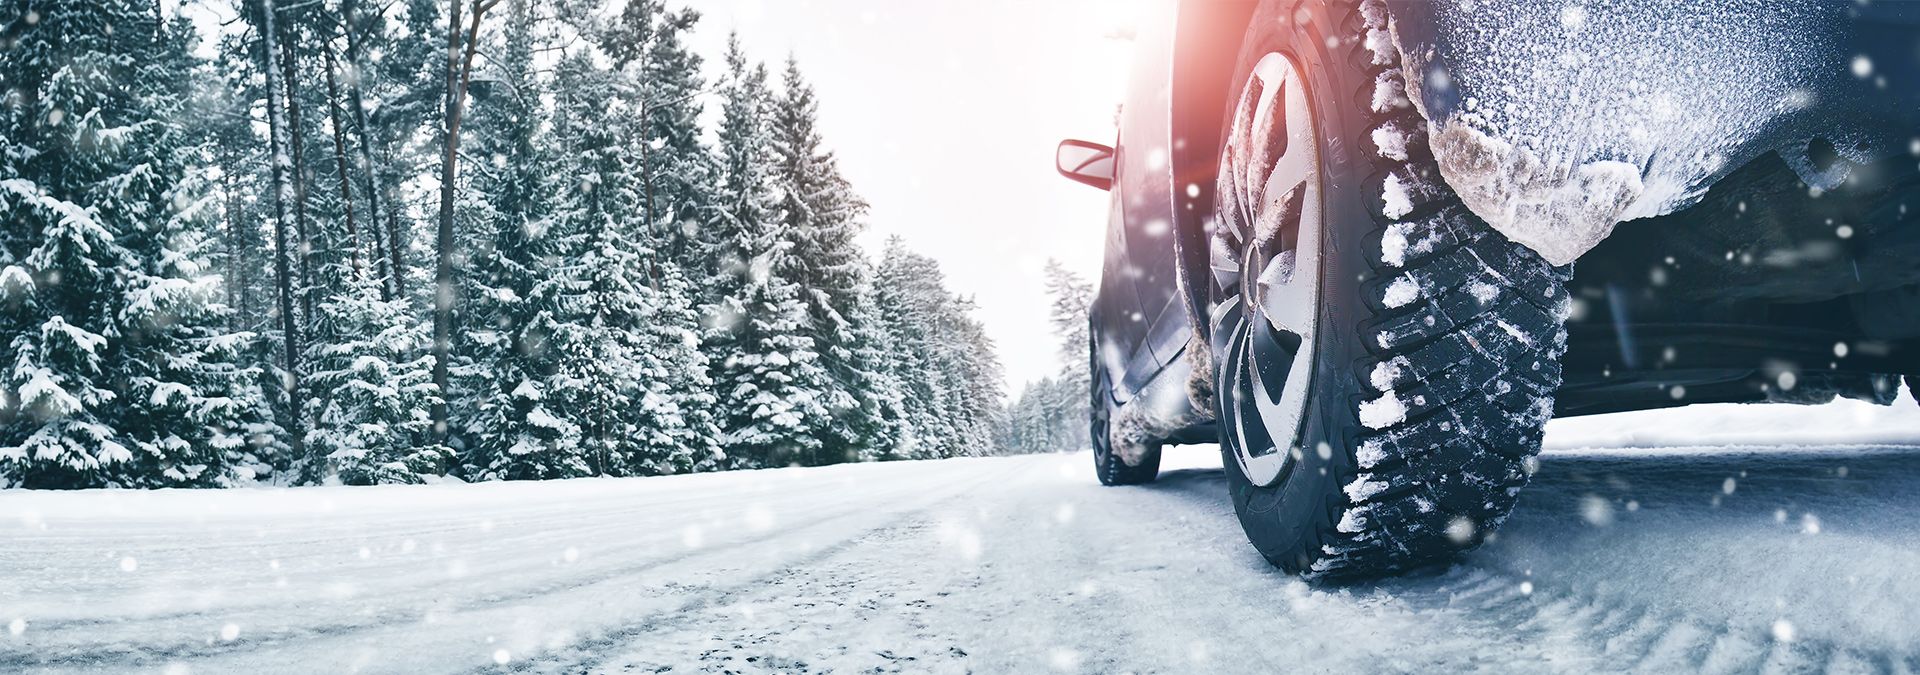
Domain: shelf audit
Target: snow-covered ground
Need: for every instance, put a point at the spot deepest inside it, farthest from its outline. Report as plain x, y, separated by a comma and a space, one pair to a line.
1744, 542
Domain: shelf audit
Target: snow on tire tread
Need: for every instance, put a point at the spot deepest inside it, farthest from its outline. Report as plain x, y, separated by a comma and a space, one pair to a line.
1467, 337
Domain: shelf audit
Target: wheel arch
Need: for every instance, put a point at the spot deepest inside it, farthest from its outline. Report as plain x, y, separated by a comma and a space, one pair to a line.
1206, 41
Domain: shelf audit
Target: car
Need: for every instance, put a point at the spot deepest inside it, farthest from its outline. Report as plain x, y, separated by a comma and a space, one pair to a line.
1343, 235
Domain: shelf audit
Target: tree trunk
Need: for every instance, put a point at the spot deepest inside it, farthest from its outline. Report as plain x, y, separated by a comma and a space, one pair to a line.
282, 192
237, 280
387, 253
445, 293
297, 145
340, 160
397, 234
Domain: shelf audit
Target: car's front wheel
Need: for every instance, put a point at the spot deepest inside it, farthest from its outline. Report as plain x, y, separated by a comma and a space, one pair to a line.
1383, 361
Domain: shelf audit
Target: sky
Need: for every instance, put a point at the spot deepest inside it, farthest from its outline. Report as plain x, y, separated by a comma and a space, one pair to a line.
945, 114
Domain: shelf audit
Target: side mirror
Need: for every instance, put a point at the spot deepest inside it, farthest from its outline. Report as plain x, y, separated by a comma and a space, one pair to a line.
1085, 162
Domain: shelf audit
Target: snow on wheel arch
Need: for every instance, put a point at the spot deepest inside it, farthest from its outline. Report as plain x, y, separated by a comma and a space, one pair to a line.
1555, 121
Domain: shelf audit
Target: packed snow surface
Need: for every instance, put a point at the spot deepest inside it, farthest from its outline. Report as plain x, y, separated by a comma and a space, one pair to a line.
1724, 549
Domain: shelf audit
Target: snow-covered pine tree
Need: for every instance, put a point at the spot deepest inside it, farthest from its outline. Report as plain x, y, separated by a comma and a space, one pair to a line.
631, 376
941, 354
820, 224
198, 415
969, 362
372, 389
1027, 425
509, 361
1070, 296
119, 372
661, 85
872, 429
665, 177
908, 295
772, 387
676, 412
1048, 416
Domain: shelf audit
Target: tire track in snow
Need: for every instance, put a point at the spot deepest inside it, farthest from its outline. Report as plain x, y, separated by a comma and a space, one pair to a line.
1587, 621
292, 550
91, 656
730, 628
593, 653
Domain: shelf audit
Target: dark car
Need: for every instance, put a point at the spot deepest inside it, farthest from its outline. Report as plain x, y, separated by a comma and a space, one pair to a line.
1343, 236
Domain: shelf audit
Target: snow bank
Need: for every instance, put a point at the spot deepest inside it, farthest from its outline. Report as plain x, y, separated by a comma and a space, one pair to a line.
1723, 424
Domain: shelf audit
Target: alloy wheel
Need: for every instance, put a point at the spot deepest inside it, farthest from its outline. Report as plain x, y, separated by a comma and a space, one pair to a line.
1264, 253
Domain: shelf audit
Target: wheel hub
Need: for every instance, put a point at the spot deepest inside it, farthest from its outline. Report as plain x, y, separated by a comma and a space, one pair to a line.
1265, 258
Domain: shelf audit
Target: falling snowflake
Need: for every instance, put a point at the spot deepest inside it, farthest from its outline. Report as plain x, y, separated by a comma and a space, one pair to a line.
1862, 66
1597, 511
1460, 530
1063, 659
1809, 524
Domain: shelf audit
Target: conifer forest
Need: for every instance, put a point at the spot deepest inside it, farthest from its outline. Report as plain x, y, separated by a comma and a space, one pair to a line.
416, 241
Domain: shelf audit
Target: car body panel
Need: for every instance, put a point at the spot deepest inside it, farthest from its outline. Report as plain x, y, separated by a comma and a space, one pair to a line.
1183, 57
1144, 324
1116, 308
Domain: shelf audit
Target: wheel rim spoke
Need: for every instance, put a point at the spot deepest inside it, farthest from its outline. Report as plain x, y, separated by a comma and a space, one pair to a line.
1265, 253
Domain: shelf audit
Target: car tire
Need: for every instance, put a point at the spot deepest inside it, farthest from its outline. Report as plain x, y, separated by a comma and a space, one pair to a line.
1430, 348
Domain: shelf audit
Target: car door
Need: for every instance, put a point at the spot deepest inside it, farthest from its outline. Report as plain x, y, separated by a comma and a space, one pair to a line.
1145, 181
1120, 325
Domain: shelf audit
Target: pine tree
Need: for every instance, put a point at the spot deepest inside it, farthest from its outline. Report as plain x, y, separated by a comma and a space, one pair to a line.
675, 417
908, 295
373, 390
871, 430
772, 386
969, 364
222, 120
508, 347
941, 355
539, 301
1070, 296
820, 224
120, 371
631, 375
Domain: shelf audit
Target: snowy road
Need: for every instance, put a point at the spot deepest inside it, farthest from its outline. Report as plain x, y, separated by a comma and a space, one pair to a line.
1723, 559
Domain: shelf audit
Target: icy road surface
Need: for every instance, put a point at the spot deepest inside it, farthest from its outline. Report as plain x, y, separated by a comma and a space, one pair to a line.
1797, 557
